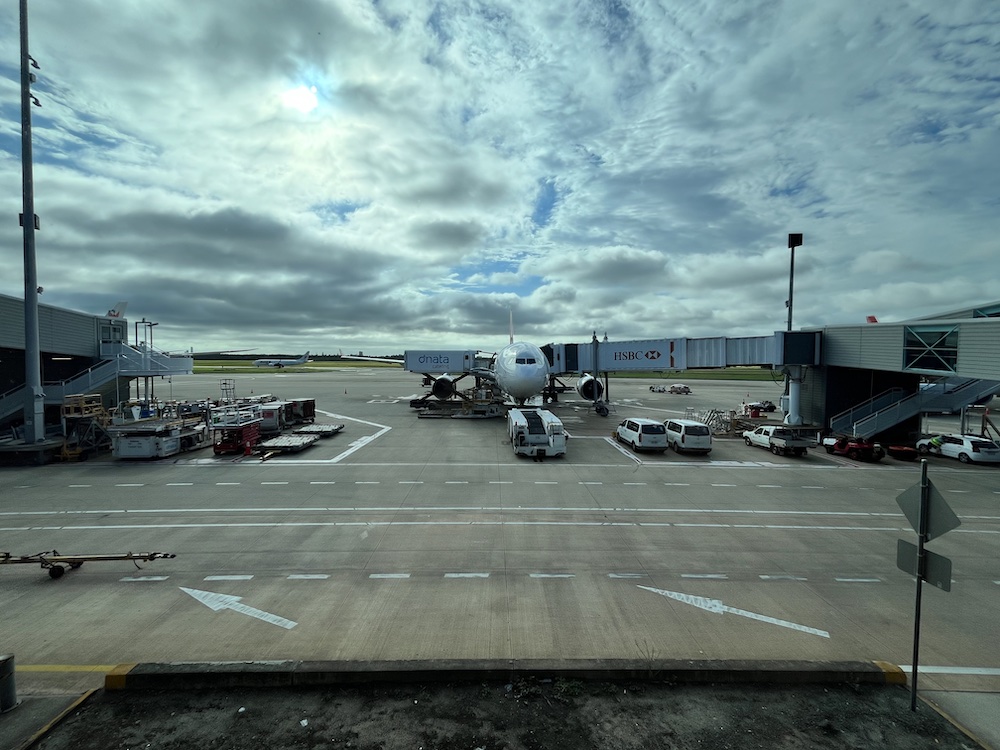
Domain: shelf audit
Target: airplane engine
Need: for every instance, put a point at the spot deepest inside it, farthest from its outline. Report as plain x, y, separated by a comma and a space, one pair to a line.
443, 387
590, 388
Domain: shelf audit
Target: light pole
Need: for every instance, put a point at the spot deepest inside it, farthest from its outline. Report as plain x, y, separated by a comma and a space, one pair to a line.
794, 241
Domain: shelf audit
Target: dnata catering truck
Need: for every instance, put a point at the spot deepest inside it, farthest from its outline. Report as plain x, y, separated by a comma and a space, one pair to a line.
536, 432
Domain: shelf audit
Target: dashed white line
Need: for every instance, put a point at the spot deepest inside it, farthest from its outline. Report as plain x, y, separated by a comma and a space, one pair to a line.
274, 482
501, 483
709, 576
307, 577
80, 485
410, 482
634, 484
781, 578
466, 575
552, 575
144, 578
676, 484
367, 483
722, 485
229, 578
130, 484
322, 483
590, 483
180, 484
389, 575
626, 575
456, 481
227, 484
769, 486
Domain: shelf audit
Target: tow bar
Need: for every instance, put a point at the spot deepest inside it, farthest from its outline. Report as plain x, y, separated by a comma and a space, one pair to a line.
56, 564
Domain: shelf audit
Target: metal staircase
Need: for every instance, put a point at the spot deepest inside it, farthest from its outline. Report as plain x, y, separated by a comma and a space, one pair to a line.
119, 360
893, 406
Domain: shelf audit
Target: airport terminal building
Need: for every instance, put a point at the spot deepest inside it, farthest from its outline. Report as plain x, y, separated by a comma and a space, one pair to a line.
872, 380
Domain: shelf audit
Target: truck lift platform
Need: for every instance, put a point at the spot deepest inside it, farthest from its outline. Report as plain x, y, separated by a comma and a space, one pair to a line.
56, 564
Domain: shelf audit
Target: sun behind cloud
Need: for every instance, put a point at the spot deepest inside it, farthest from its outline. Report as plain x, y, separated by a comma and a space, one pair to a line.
302, 98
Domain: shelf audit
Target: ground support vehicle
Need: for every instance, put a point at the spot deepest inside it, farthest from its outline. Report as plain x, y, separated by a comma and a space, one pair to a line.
966, 448
855, 448
642, 434
57, 564
780, 440
303, 410
145, 431
276, 416
536, 432
235, 428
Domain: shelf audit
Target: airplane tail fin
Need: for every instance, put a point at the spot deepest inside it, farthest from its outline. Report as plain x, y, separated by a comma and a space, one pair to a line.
871, 319
117, 311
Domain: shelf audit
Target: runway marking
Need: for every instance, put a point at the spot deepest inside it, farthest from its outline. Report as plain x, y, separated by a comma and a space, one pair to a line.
80, 485
552, 575
389, 575
217, 602
769, 486
179, 484
130, 484
781, 578
227, 484
410, 482
228, 578
711, 576
812, 487
716, 606
466, 575
456, 481
274, 482
722, 485
307, 577
546, 482
589, 483
627, 575
634, 484
367, 482
322, 483
676, 484
131, 579
495, 482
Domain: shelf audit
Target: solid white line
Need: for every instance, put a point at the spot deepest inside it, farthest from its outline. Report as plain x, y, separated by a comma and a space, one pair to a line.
977, 671
228, 578
389, 575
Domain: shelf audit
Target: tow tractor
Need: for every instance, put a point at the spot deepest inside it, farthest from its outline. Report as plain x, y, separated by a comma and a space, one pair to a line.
856, 448
56, 564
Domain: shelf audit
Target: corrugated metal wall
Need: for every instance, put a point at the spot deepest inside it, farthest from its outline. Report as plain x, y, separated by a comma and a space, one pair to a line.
59, 331
978, 351
876, 347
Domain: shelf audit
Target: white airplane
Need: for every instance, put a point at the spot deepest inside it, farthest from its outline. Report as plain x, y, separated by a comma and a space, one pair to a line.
281, 362
118, 311
520, 370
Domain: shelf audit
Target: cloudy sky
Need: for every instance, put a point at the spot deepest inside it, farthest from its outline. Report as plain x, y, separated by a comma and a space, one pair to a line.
379, 175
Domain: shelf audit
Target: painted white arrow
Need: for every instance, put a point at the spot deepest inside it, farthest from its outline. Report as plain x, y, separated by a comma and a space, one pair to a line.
716, 606
218, 602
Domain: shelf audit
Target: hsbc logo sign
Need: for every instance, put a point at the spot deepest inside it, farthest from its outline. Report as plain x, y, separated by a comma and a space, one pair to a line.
636, 356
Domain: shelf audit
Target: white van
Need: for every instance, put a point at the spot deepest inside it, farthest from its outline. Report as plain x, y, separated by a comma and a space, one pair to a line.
642, 434
689, 436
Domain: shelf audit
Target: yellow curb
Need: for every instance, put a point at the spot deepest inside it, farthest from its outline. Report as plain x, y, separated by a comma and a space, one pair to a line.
894, 675
117, 677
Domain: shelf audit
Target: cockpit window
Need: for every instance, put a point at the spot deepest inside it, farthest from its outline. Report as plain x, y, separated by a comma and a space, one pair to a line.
525, 360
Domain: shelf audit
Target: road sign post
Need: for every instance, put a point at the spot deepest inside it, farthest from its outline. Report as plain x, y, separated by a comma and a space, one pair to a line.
930, 516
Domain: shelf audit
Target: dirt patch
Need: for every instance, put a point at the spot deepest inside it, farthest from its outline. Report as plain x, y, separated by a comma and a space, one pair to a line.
525, 715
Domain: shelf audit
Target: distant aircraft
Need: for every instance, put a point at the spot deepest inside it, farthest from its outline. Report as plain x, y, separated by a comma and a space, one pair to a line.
118, 311
281, 362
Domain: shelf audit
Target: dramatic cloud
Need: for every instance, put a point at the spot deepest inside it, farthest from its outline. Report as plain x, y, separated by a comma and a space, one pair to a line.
397, 174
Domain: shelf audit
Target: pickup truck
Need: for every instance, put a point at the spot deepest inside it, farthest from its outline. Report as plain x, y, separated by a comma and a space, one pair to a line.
781, 441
